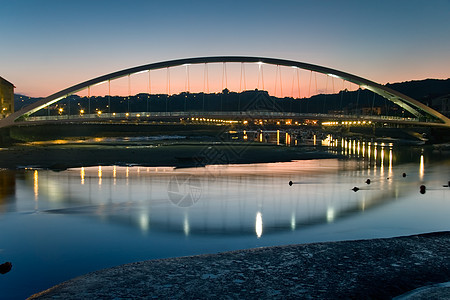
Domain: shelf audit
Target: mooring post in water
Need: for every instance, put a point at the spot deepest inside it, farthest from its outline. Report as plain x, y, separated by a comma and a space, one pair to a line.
422, 189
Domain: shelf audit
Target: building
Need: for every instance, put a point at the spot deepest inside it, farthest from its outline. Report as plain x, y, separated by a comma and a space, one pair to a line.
6, 98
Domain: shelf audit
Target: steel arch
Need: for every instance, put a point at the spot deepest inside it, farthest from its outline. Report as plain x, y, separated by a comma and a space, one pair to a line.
411, 105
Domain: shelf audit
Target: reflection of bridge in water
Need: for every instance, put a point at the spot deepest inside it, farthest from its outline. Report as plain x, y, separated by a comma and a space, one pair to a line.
299, 81
233, 203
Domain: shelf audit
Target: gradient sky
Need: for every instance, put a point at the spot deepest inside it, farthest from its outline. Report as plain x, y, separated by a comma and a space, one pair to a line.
48, 45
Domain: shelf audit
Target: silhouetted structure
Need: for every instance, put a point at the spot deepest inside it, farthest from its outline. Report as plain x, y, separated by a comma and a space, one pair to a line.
6, 97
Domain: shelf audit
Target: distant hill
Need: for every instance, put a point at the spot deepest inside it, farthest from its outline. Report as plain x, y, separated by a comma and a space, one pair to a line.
423, 90
22, 100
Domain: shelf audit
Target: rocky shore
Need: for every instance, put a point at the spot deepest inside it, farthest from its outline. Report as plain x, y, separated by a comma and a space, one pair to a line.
365, 269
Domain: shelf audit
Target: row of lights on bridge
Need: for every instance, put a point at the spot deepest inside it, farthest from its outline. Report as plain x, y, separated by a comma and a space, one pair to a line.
347, 123
215, 120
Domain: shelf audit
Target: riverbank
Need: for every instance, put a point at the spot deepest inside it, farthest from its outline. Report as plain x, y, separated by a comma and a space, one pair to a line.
181, 154
364, 269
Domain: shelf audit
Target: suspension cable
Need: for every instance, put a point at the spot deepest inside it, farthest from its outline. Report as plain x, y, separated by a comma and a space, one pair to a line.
281, 83
276, 82
149, 91
109, 96
129, 92
89, 99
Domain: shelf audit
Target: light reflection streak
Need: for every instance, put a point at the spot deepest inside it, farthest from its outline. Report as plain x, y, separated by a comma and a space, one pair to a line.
390, 162
36, 185
82, 174
99, 175
114, 175
144, 222
422, 167
293, 221
258, 225
330, 214
186, 224
278, 137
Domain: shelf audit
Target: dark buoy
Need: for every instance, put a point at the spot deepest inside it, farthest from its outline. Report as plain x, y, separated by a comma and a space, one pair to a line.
368, 181
404, 174
355, 189
423, 189
5, 267
448, 184
291, 183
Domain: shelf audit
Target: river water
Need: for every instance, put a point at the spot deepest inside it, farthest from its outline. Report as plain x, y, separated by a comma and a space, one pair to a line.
58, 225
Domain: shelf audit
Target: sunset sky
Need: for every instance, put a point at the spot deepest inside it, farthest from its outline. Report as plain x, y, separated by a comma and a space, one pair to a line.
48, 45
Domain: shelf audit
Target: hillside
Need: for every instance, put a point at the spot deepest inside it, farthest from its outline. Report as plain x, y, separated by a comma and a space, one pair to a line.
345, 102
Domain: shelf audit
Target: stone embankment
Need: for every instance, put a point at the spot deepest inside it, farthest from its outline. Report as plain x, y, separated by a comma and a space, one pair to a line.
365, 269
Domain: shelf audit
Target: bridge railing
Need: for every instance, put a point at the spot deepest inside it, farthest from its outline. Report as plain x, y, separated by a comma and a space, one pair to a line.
234, 115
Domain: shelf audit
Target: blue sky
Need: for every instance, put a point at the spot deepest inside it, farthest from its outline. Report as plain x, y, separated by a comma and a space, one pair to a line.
49, 45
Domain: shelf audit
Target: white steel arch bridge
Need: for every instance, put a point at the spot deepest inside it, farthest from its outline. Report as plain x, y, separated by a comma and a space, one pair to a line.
423, 114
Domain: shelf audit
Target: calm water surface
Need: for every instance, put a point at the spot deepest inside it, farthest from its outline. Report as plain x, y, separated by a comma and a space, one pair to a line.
58, 225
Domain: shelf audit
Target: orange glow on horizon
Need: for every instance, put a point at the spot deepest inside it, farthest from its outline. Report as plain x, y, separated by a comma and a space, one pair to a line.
278, 81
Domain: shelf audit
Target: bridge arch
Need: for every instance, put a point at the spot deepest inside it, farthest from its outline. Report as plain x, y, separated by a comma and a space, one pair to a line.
411, 105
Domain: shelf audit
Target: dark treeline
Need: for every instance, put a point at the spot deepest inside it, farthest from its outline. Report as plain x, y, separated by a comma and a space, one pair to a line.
345, 102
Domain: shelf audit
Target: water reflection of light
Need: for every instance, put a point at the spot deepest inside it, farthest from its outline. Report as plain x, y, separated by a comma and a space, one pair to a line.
330, 214
315, 139
293, 222
382, 162
363, 149
99, 175
82, 174
143, 222
259, 224
358, 147
261, 137
363, 203
36, 185
422, 167
186, 224
114, 174
278, 137
390, 163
